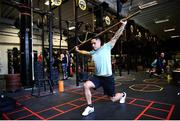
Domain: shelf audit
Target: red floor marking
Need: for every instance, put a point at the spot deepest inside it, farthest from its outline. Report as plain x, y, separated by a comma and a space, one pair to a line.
159, 109
15, 111
73, 108
170, 112
97, 97
54, 107
156, 102
50, 118
83, 99
61, 111
68, 106
5, 116
73, 104
147, 107
163, 103
11, 113
132, 101
155, 117
57, 111
138, 105
150, 101
76, 107
21, 118
45, 110
40, 117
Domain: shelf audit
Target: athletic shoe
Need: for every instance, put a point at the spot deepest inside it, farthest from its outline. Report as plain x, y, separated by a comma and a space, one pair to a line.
88, 110
123, 98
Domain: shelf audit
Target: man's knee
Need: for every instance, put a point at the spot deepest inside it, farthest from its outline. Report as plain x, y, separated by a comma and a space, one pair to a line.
88, 84
112, 99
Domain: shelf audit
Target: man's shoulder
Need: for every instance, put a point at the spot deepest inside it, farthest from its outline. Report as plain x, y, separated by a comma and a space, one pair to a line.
107, 45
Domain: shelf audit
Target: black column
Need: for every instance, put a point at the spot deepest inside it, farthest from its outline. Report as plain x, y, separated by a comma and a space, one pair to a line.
26, 42
119, 7
42, 37
76, 35
99, 16
60, 25
50, 39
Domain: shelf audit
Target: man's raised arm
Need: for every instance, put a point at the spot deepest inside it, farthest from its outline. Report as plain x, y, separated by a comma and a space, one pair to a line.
118, 33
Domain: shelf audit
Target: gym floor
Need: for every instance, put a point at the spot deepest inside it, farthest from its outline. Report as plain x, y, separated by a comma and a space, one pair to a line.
148, 98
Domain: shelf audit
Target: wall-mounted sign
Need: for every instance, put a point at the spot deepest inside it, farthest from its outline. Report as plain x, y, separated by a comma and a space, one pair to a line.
107, 20
82, 4
56, 2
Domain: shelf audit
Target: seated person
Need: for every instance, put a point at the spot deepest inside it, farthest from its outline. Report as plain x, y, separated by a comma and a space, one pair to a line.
159, 64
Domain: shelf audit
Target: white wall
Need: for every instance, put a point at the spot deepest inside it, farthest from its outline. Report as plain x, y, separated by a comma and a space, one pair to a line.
9, 39
4, 58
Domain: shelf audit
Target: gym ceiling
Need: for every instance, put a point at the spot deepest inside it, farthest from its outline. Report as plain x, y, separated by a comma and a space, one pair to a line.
161, 19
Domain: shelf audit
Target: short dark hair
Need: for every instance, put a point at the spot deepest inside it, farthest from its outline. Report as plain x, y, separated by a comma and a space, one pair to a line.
97, 38
100, 39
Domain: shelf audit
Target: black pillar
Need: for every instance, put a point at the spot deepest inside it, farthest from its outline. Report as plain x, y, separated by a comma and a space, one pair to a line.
119, 8
26, 43
99, 16
76, 32
42, 37
50, 38
60, 25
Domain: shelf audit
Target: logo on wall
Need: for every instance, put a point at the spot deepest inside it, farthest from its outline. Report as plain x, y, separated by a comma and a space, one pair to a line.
82, 4
107, 20
56, 2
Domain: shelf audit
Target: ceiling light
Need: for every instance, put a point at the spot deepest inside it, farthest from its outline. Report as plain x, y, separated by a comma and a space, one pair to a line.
161, 21
175, 36
56, 2
149, 4
72, 27
168, 30
47, 2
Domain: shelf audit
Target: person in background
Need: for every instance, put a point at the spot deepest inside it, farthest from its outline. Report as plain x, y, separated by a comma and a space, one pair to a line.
70, 65
40, 58
64, 61
159, 64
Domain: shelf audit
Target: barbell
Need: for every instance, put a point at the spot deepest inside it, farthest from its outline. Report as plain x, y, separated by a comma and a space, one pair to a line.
97, 35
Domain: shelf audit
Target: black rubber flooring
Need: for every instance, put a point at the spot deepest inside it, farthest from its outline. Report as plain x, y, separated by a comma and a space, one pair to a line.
148, 98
